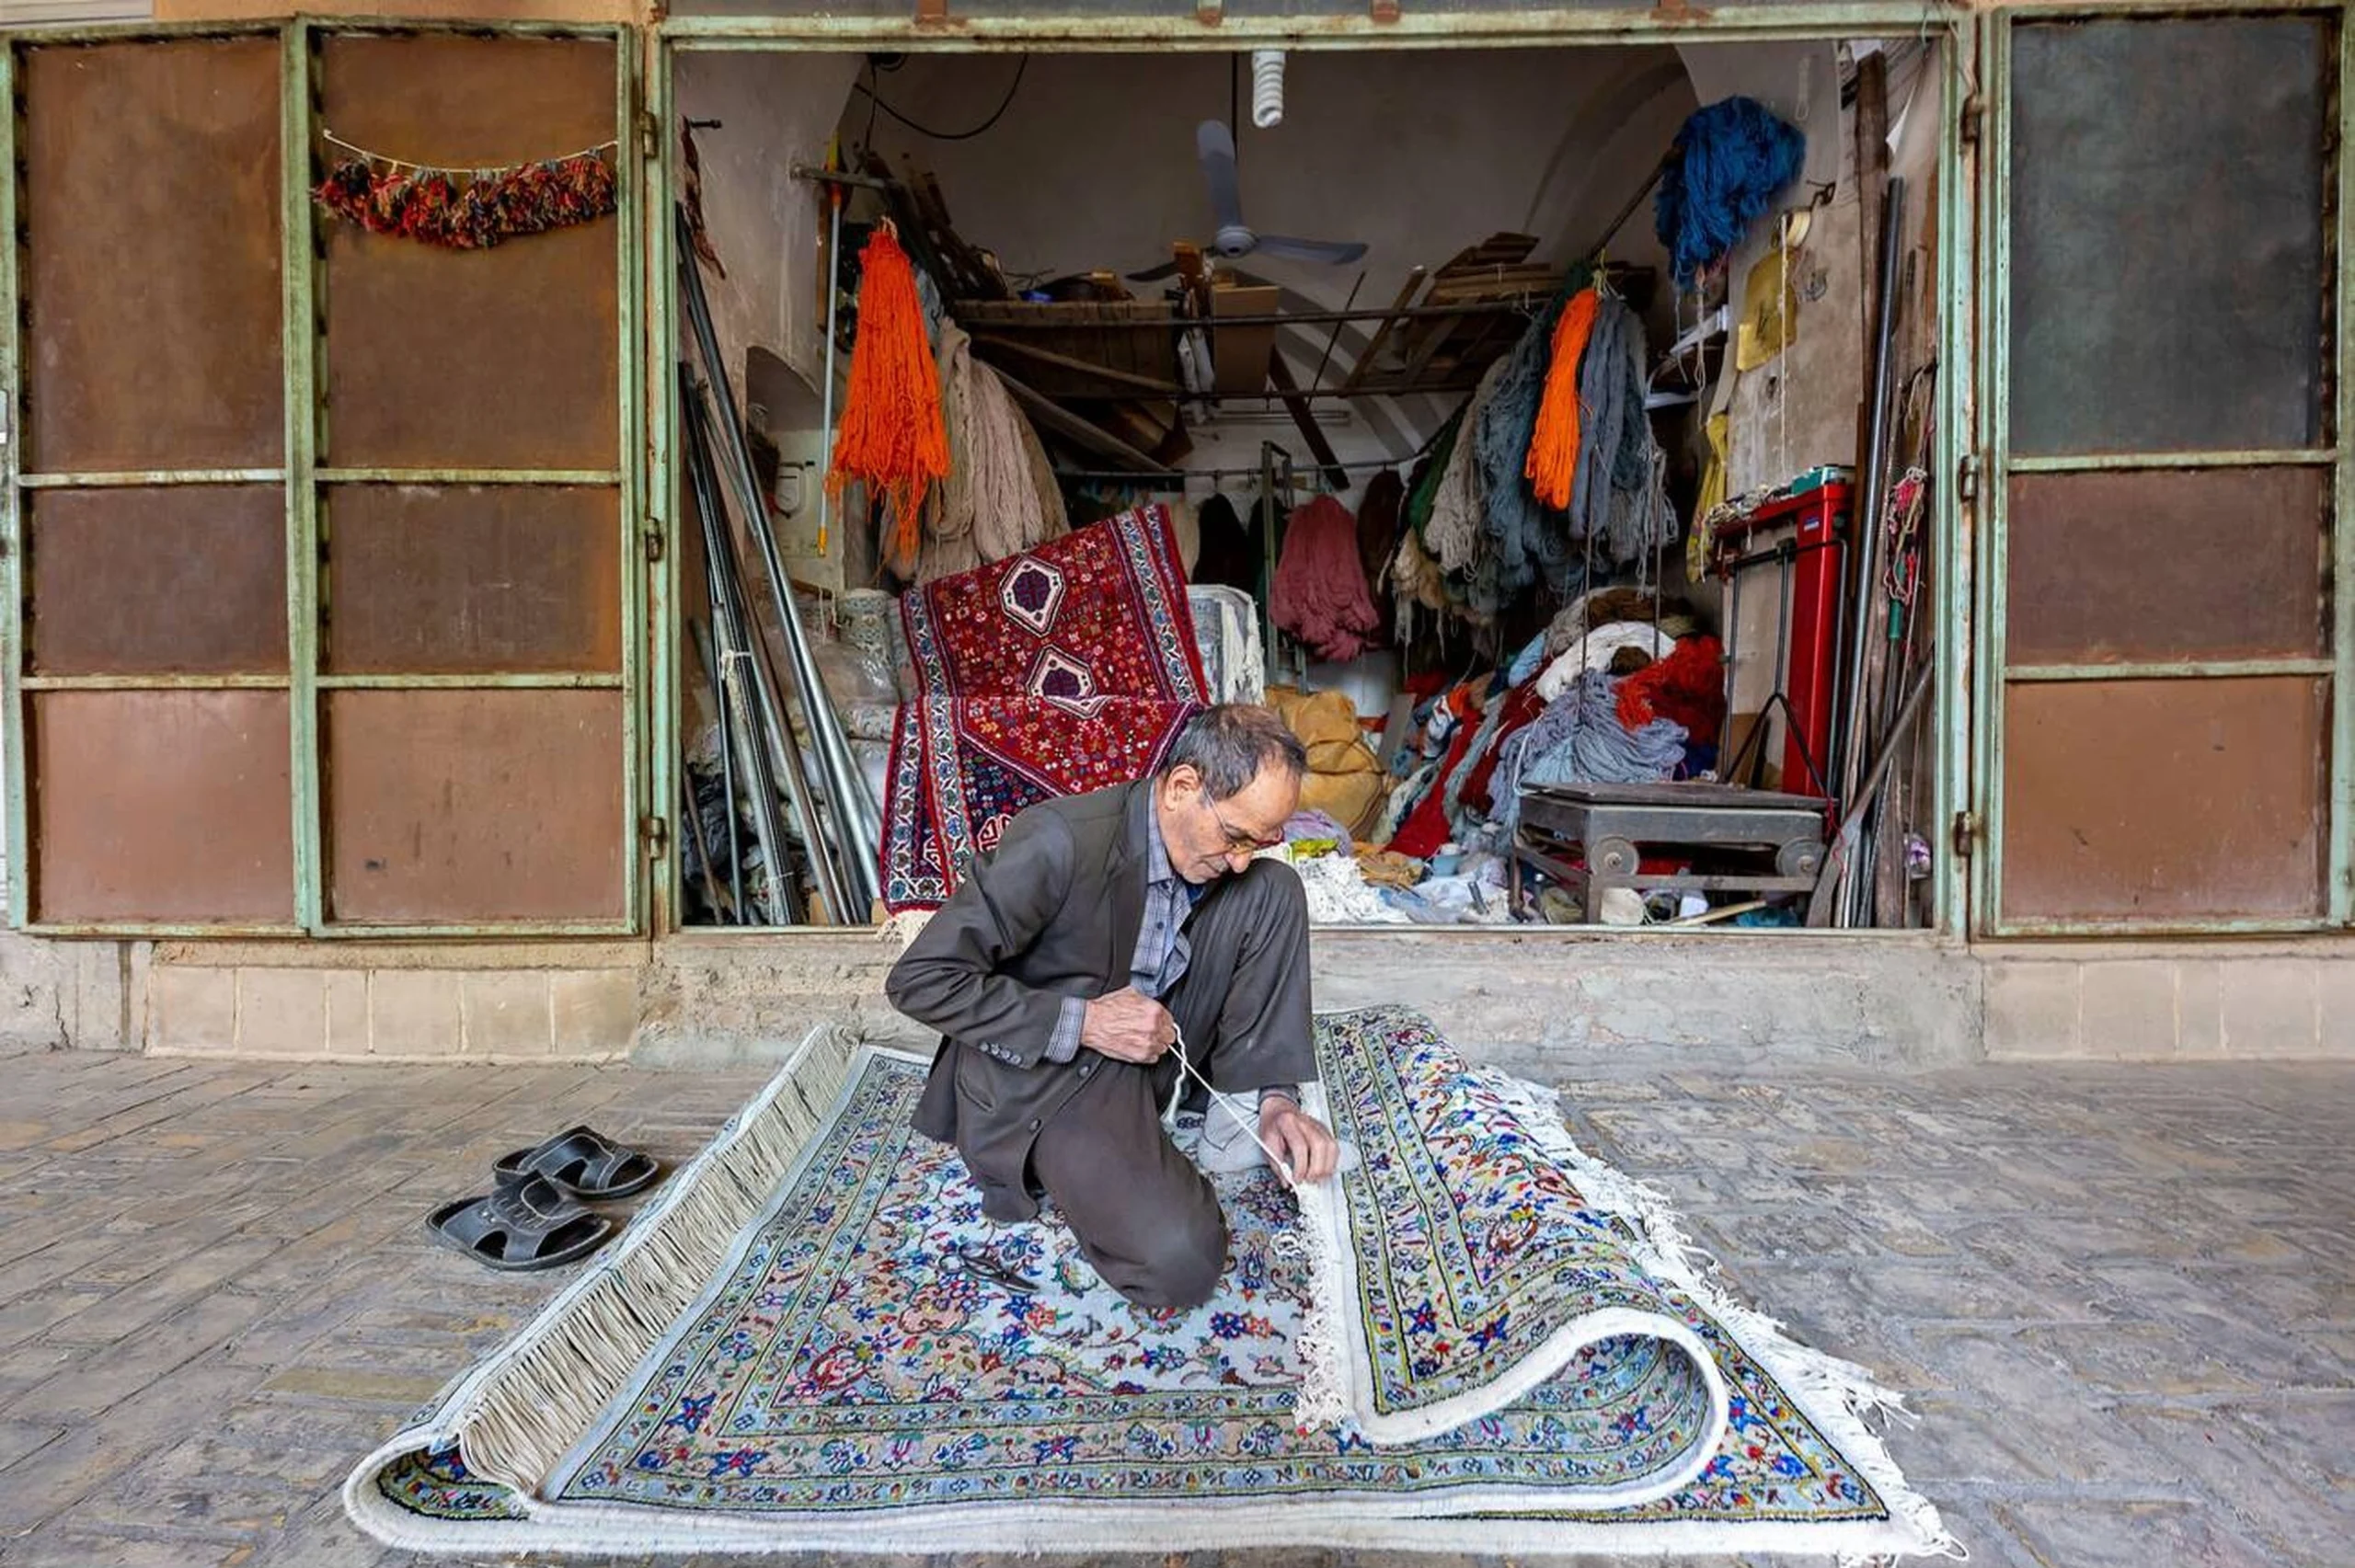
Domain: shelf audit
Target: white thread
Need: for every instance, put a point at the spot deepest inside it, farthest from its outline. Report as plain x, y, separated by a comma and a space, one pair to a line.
332, 139
1177, 1045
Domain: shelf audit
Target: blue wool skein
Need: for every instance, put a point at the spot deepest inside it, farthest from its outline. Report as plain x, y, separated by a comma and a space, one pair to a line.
1727, 162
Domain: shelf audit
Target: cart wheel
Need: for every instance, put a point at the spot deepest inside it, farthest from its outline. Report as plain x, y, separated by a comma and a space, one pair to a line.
1800, 857
1611, 857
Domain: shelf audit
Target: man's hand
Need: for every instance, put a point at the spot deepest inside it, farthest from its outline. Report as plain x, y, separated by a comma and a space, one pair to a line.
1311, 1152
1128, 1027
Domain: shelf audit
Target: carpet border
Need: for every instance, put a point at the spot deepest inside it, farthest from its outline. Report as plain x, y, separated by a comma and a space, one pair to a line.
1837, 1395
1344, 1383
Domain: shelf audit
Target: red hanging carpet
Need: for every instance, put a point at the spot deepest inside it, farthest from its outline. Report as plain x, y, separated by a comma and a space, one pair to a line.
1057, 671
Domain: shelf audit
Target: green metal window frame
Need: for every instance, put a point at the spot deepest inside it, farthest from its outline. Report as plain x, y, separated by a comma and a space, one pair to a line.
303, 477
1997, 464
1827, 20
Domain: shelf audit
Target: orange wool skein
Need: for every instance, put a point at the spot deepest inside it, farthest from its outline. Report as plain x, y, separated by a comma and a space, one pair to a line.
1554, 446
892, 438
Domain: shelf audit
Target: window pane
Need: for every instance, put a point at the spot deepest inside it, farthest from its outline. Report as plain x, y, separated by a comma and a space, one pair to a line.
151, 231
2222, 564
2169, 801
424, 580
189, 580
475, 806
2168, 263
161, 806
499, 357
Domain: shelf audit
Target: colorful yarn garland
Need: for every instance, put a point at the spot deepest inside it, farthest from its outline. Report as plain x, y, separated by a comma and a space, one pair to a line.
470, 211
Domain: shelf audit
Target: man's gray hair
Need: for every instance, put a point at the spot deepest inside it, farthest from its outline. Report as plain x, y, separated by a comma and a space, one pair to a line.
1231, 744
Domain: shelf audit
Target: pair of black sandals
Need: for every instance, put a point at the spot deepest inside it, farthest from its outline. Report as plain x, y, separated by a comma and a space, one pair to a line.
534, 1218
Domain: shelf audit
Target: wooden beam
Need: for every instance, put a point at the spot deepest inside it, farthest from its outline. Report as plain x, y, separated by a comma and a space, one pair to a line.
1311, 431
1073, 428
1382, 334
1153, 384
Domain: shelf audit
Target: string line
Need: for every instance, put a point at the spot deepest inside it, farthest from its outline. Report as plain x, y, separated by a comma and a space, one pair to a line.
355, 149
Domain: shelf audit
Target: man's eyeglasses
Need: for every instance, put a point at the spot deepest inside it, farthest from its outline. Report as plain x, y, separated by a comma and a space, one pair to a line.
1240, 842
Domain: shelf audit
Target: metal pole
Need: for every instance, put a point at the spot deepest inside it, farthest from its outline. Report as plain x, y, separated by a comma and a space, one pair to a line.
780, 754
1852, 738
692, 820
826, 386
733, 635
860, 822
702, 638
1843, 843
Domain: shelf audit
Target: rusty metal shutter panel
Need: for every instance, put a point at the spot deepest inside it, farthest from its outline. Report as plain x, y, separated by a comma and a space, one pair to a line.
475, 804
188, 579
505, 358
2166, 802
2167, 259
2167, 565
151, 247
162, 807
428, 579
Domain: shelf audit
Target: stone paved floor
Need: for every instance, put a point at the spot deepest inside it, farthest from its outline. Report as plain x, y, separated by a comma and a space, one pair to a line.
2121, 1300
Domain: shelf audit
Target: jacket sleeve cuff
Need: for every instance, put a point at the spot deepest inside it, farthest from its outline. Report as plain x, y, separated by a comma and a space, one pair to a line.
1281, 1092
1063, 1044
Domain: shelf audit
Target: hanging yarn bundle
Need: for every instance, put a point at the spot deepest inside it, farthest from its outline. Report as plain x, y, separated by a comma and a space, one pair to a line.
468, 210
1580, 738
999, 498
893, 439
1452, 529
1320, 594
1514, 518
1620, 498
1729, 160
1225, 556
1554, 444
1378, 517
1415, 577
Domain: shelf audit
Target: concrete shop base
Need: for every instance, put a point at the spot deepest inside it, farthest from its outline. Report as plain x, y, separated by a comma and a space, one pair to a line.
1519, 1000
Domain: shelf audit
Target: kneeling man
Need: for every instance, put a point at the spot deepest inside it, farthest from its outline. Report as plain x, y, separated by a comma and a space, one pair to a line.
1067, 964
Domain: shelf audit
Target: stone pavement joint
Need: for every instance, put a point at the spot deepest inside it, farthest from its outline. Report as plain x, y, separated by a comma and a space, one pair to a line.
2120, 1299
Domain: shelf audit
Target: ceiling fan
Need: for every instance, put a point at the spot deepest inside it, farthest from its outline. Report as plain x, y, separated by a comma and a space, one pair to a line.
1234, 239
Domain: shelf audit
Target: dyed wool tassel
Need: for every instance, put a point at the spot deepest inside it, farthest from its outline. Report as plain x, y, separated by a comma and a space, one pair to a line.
1514, 522
892, 438
993, 503
1727, 162
1320, 593
1552, 468
1618, 500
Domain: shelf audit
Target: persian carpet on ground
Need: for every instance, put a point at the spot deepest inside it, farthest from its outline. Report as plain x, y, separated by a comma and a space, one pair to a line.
1479, 1340
1052, 672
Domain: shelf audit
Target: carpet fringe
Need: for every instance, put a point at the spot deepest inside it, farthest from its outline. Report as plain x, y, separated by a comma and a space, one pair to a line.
516, 1421
1840, 1395
904, 928
1324, 1396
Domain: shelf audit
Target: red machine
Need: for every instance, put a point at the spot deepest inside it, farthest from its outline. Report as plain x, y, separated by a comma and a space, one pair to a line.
1804, 537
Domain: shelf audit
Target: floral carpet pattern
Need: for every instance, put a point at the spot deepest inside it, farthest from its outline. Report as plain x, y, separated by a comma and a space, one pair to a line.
1491, 1266
845, 1382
